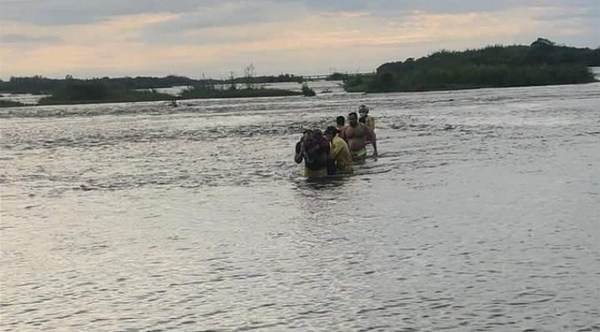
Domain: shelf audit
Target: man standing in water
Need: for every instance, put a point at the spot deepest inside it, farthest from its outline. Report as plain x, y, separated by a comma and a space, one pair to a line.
357, 134
339, 153
340, 122
313, 149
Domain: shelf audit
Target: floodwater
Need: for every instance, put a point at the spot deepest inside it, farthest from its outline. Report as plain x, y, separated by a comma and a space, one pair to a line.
481, 214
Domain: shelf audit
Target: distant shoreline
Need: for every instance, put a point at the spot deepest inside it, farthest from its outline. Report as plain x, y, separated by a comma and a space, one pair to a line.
149, 96
542, 63
4, 103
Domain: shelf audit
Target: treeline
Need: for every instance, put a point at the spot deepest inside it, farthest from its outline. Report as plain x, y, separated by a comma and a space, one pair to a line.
98, 91
541, 63
203, 92
282, 78
73, 91
42, 85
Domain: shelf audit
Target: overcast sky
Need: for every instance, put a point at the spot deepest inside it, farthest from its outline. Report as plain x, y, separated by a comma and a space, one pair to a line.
213, 38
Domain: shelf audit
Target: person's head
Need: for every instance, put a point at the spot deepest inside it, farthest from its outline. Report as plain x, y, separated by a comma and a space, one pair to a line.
317, 134
352, 119
307, 134
363, 110
330, 132
340, 121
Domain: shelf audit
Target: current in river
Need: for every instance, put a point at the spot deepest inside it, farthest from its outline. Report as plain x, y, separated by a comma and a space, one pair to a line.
481, 214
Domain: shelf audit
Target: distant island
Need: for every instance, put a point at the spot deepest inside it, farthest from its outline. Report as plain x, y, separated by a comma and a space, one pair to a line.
114, 90
541, 63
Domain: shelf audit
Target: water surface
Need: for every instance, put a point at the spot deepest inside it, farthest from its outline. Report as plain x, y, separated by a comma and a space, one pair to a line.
480, 215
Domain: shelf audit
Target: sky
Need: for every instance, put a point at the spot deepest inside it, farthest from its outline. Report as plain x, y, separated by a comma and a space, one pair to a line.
212, 38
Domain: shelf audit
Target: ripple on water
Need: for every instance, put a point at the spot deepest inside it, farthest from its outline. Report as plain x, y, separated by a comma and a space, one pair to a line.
138, 217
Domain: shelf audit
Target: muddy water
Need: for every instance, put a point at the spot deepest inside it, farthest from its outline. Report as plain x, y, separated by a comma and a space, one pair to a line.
482, 213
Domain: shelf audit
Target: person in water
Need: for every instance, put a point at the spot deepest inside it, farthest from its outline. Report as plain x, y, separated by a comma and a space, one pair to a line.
357, 134
340, 122
339, 153
313, 149
365, 118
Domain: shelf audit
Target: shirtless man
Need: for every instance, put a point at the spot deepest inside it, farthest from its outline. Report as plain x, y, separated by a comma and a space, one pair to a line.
357, 134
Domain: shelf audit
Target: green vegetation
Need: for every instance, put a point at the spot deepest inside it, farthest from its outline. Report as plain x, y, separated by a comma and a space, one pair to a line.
42, 85
114, 90
541, 63
307, 91
338, 77
10, 103
97, 91
268, 79
203, 92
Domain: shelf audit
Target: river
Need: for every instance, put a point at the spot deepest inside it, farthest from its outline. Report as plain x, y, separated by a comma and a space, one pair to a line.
481, 214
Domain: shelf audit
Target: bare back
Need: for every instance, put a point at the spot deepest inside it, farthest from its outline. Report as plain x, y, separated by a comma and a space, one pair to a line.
356, 136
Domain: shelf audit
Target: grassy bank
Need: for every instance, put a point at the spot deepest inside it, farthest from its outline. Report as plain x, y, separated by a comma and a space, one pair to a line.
95, 91
202, 92
113, 97
470, 77
541, 63
10, 103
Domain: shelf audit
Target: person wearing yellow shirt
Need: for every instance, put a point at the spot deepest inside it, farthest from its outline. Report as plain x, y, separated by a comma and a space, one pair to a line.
339, 153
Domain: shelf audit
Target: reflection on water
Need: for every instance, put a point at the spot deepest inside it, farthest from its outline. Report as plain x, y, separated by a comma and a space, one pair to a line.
480, 214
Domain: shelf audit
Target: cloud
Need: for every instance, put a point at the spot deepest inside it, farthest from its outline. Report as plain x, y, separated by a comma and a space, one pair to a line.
69, 12
214, 37
24, 39
209, 25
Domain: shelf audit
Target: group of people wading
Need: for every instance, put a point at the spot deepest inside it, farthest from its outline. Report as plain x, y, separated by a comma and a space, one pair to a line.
334, 151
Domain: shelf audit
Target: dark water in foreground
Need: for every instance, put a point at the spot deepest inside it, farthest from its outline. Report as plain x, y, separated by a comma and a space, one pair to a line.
482, 214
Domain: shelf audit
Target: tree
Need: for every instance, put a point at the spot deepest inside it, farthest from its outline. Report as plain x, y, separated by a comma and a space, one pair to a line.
231, 81
307, 91
249, 75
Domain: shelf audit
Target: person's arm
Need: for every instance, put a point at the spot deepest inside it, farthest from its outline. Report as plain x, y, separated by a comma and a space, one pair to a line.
371, 122
335, 150
324, 145
373, 138
342, 134
299, 152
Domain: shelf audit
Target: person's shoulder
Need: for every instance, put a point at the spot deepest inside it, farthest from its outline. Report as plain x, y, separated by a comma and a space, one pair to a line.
339, 141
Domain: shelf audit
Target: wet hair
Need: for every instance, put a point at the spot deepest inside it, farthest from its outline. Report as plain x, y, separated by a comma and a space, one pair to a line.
363, 109
340, 120
353, 113
331, 130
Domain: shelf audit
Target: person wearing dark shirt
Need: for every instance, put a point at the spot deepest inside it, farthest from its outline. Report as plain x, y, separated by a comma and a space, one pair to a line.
313, 149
